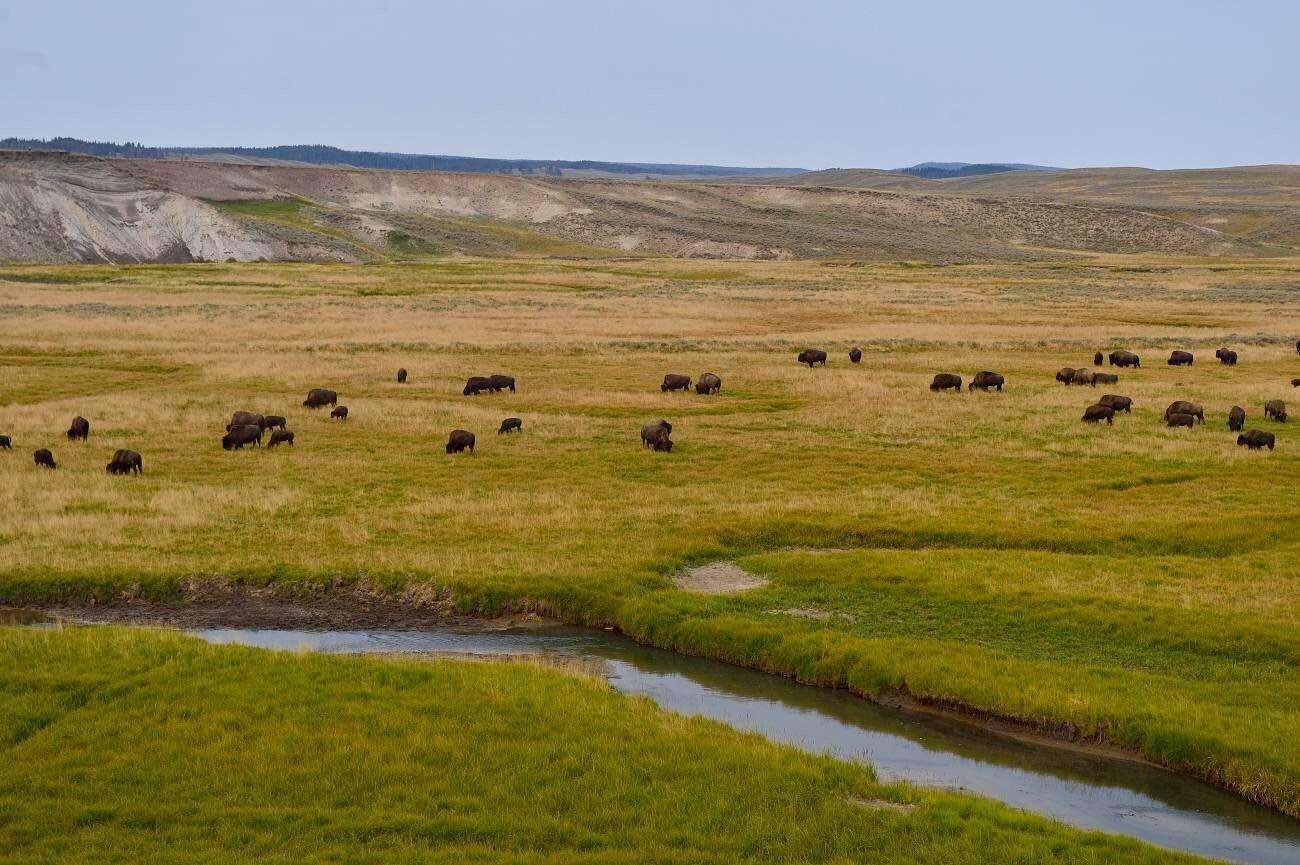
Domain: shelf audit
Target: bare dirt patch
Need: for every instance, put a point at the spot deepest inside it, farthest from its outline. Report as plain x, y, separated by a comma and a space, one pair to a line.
718, 578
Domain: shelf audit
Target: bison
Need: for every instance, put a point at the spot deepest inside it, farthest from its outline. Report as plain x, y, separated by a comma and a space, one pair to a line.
460, 441
1098, 413
985, 380
511, 424
812, 357
708, 384
498, 382
1226, 356
1236, 418
1082, 377
80, 429
44, 459
401, 375
340, 412
1104, 378
1295, 382
1117, 402
476, 385
1255, 439
320, 397
1123, 357
1184, 407
273, 421
241, 436
1065, 375
855, 355
652, 432
1180, 418
946, 381
125, 462
6, 443
279, 437
246, 418
673, 381
1276, 409
1180, 358
664, 444
1097, 359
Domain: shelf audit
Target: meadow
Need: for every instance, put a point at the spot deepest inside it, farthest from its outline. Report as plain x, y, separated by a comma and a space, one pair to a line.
1131, 585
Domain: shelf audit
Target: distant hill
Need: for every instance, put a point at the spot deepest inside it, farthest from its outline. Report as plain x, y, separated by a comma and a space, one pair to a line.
318, 154
945, 170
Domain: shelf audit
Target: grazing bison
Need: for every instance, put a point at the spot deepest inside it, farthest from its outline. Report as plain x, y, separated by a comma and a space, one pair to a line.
1255, 439
1117, 402
855, 355
1065, 375
401, 376
664, 444
320, 397
1104, 378
476, 385
1123, 357
125, 462
1236, 418
460, 441
1226, 356
1184, 407
1098, 413
1276, 409
246, 418
1082, 377
241, 436
1180, 358
946, 381
1097, 359
44, 459
340, 412
985, 380
708, 383
1180, 418
273, 421
498, 382
511, 424
812, 357
6, 443
652, 432
673, 381
280, 437
80, 429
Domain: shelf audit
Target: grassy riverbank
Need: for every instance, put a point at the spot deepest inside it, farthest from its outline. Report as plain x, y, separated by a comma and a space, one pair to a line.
1128, 583
150, 746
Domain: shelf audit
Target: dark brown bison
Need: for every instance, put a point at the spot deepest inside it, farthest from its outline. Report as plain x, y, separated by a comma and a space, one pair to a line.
245, 418
664, 444
1180, 358
708, 384
1276, 409
1255, 439
241, 436
1117, 402
1123, 357
498, 382
652, 432
1184, 407
1104, 378
80, 429
1295, 382
476, 385
44, 459
273, 421
1180, 418
1236, 418
1097, 359
1226, 356
812, 357
125, 462
340, 412
320, 397
280, 437
1065, 375
401, 375
946, 381
6, 443
986, 380
855, 355
673, 381
1098, 413
511, 424
460, 441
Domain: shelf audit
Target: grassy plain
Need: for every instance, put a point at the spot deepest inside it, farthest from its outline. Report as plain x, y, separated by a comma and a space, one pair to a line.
153, 747
1131, 584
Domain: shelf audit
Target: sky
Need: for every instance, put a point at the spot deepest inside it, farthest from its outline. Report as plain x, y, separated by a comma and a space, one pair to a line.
809, 84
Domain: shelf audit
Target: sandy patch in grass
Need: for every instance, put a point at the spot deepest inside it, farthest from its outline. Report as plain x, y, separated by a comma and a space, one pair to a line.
718, 578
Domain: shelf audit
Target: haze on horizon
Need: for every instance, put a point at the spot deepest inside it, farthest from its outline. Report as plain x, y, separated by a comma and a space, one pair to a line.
822, 84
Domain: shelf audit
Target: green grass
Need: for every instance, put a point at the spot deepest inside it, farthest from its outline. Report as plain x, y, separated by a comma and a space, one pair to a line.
149, 746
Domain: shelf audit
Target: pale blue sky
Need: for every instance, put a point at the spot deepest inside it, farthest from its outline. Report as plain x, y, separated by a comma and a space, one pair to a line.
814, 84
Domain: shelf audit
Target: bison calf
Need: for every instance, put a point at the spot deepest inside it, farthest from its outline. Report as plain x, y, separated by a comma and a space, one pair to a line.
946, 381
125, 462
1097, 359
273, 421
44, 458
511, 424
812, 357
401, 376
6, 443
1098, 413
80, 429
459, 441
280, 436
340, 412
1255, 439
673, 381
